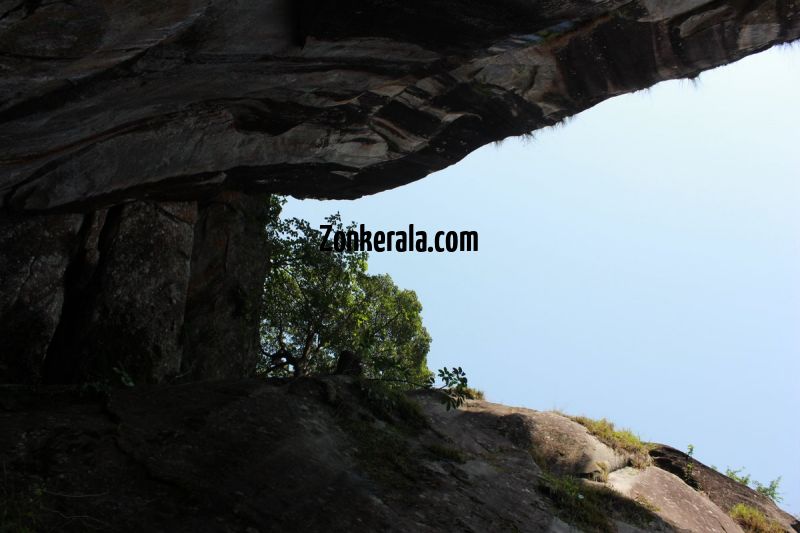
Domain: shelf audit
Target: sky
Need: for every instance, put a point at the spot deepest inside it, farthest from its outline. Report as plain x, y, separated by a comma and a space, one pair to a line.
640, 263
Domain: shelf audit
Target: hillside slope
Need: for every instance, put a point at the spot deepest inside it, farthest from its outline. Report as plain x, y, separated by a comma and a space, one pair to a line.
331, 454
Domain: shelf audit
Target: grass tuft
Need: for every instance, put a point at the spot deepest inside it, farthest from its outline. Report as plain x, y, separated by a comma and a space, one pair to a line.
621, 440
474, 394
754, 521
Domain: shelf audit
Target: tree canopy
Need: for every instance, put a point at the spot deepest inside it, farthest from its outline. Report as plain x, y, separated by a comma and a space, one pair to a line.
320, 303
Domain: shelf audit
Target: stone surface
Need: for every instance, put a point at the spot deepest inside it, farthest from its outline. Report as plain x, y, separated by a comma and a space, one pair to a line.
124, 308
150, 290
34, 255
125, 120
313, 454
564, 445
676, 501
118, 100
722, 490
229, 263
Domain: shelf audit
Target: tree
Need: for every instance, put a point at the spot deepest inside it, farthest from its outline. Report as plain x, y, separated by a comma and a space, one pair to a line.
770, 490
320, 303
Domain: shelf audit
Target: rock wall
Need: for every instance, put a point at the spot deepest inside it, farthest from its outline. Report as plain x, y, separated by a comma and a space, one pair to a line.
130, 131
35, 254
229, 263
149, 290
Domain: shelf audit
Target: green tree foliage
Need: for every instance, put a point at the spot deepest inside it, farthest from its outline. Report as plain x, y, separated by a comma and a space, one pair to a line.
770, 490
319, 303
455, 386
737, 476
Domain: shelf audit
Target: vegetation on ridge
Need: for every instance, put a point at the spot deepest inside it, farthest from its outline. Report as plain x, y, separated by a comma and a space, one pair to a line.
769, 490
621, 440
319, 304
754, 521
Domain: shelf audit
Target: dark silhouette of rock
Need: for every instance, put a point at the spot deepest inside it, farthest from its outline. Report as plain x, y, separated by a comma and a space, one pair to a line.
35, 252
156, 290
113, 101
229, 262
308, 454
125, 123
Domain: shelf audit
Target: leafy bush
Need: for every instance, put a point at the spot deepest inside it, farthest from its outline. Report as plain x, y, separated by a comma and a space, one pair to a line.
770, 490
454, 387
734, 475
754, 521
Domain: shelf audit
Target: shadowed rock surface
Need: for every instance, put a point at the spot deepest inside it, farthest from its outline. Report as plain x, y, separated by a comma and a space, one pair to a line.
136, 142
133, 287
106, 102
134, 137
314, 455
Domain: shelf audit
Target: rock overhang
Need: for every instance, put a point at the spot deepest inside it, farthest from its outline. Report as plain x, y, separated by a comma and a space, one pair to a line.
134, 101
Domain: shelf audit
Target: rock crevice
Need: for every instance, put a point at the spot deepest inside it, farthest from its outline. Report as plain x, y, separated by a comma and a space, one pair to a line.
154, 290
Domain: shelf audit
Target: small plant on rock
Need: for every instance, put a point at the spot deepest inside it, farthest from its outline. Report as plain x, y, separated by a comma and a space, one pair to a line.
735, 475
688, 469
621, 440
754, 521
474, 394
769, 490
454, 387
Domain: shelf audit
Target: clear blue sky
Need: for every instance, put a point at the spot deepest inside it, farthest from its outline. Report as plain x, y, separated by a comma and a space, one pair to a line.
641, 263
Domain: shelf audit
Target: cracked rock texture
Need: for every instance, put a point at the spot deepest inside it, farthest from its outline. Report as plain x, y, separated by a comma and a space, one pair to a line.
151, 290
123, 123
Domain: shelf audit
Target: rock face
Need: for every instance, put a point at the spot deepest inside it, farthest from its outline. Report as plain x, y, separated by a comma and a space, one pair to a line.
227, 275
122, 122
105, 102
563, 444
718, 487
130, 289
36, 252
676, 501
315, 455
